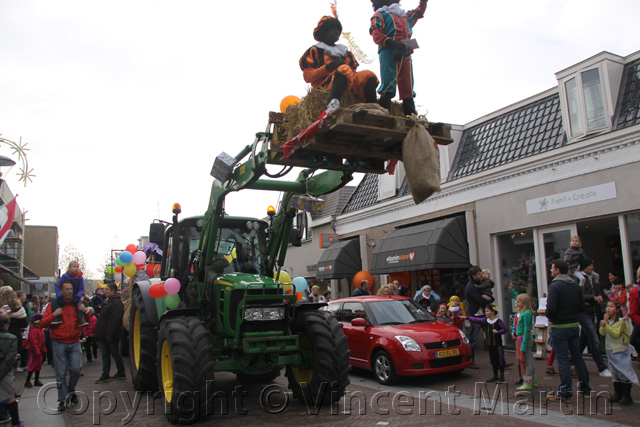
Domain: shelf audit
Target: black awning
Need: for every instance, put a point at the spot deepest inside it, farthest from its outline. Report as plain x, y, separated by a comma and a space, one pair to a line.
436, 244
342, 259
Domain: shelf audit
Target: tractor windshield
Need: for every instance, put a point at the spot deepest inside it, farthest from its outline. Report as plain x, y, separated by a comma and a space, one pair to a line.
243, 247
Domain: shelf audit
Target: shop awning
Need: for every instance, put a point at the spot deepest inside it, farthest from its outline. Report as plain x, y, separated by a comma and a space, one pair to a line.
341, 259
435, 244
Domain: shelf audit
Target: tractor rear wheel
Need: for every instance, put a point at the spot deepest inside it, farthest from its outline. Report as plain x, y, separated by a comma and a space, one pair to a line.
143, 340
323, 344
185, 368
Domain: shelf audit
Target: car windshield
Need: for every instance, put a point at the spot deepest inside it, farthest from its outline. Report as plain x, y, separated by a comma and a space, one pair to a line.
398, 312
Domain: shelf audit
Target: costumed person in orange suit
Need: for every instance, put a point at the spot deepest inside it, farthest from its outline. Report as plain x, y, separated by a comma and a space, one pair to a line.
332, 66
390, 26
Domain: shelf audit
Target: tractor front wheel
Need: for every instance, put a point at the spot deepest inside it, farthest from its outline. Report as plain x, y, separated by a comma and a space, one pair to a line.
185, 368
325, 375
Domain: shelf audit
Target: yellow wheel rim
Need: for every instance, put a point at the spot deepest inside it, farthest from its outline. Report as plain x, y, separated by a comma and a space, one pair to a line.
136, 339
303, 376
167, 371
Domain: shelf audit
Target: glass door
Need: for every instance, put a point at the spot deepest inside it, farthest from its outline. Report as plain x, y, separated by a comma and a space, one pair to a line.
551, 243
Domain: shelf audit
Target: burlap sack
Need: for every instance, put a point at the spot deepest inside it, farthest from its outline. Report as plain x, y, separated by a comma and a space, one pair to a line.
421, 163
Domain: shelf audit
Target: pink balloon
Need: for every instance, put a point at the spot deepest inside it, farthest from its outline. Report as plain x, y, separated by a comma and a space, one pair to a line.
139, 258
172, 286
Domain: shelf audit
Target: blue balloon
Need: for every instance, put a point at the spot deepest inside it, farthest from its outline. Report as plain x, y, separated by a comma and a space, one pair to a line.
300, 283
126, 257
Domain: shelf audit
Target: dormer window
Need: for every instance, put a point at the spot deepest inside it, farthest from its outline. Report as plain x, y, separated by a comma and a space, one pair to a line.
588, 91
585, 102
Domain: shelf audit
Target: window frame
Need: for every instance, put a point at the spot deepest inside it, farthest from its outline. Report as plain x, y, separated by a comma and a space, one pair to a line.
577, 77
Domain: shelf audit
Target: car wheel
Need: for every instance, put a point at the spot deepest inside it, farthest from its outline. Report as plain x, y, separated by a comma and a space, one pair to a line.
383, 368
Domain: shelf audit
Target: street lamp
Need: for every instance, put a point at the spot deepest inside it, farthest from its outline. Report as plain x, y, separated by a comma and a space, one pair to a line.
5, 162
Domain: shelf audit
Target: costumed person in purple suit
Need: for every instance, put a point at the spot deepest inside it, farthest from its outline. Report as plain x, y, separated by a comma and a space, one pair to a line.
495, 329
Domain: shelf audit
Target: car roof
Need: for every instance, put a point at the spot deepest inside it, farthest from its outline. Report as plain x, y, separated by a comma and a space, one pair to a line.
370, 298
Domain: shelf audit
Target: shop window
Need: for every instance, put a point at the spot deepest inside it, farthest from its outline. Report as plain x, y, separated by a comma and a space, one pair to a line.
633, 228
517, 266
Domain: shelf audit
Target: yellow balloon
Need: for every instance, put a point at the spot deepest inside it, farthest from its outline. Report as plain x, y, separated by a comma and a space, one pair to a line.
233, 253
284, 277
130, 269
287, 287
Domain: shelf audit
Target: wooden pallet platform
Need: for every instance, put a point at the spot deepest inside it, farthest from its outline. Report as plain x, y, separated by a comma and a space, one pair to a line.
351, 140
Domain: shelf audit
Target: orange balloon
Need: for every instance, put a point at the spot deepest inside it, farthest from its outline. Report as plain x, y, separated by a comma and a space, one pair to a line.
298, 296
288, 100
118, 269
360, 276
403, 277
132, 248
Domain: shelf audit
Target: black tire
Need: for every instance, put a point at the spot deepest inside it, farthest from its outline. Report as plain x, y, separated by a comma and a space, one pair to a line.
327, 376
185, 368
143, 343
260, 378
383, 368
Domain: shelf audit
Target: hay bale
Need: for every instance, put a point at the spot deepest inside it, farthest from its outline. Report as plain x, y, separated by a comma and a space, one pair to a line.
307, 111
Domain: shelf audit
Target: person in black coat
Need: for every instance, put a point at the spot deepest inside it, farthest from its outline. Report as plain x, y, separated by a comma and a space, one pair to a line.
108, 331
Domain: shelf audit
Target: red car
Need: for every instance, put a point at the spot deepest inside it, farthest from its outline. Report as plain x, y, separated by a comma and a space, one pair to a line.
394, 336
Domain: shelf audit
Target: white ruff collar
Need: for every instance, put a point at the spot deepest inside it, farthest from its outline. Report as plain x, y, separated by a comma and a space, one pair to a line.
394, 8
495, 319
336, 51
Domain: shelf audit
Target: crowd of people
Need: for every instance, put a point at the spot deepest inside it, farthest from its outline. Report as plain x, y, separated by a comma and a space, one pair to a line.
57, 330
581, 312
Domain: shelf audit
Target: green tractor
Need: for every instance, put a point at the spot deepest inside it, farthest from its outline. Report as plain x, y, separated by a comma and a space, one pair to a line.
232, 314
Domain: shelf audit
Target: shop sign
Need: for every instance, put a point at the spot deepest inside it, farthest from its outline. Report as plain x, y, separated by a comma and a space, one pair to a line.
567, 199
327, 239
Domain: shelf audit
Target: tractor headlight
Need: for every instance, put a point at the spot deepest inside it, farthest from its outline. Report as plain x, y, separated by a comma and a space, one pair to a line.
408, 343
264, 313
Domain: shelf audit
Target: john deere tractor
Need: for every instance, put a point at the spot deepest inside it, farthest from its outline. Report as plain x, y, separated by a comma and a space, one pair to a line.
230, 314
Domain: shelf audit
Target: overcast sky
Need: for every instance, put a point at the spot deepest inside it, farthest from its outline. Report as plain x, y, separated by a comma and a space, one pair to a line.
125, 104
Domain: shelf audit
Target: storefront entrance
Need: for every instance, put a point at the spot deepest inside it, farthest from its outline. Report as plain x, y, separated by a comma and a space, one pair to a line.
524, 257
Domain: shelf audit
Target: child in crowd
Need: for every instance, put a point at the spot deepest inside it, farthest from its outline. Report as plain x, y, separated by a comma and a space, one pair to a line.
617, 333
619, 294
524, 332
90, 346
8, 353
495, 329
456, 311
73, 276
443, 314
35, 345
486, 288
574, 254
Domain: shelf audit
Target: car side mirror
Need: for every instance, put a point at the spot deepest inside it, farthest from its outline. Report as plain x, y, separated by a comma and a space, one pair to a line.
359, 322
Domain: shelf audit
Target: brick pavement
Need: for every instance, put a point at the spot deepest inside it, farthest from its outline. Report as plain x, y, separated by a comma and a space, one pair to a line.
110, 404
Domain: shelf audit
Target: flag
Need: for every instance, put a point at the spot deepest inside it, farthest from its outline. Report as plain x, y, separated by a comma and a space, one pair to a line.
7, 212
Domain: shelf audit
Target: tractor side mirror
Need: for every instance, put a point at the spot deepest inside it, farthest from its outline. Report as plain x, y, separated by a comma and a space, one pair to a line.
156, 233
296, 237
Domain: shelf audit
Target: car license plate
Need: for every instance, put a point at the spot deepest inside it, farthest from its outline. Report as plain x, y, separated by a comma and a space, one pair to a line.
447, 353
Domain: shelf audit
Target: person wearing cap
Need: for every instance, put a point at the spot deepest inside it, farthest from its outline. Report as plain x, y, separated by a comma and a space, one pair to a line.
314, 296
592, 297
328, 65
495, 330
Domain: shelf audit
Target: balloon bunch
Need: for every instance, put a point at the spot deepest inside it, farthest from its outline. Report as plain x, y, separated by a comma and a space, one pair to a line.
128, 262
289, 286
167, 290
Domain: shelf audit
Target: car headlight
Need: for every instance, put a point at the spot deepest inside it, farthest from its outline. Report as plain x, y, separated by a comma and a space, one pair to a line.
408, 343
264, 313
465, 340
